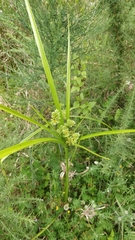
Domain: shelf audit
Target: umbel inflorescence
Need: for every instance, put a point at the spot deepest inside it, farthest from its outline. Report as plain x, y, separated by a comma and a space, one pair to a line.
64, 130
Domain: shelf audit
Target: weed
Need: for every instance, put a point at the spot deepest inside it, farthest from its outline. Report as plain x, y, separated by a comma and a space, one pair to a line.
85, 210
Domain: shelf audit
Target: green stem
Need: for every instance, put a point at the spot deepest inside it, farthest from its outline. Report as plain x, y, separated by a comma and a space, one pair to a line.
67, 175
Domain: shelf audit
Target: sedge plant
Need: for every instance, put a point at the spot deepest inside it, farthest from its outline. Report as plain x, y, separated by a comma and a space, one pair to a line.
61, 128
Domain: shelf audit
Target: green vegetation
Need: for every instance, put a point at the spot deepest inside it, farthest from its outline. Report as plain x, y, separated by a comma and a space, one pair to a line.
67, 146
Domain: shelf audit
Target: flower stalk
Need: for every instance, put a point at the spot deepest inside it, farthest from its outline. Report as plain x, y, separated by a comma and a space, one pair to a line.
67, 175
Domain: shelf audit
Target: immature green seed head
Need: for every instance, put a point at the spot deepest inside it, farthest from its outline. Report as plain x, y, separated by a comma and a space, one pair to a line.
65, 130
76, 136
59, 130
70, 123
55, 117
72, 140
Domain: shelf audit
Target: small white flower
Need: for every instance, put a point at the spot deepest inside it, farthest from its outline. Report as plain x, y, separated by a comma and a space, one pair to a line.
108, 190
69, 199
128, 82
96, 162
130, 85
35, 220
126, 212
82, 202
129, 140
66, 207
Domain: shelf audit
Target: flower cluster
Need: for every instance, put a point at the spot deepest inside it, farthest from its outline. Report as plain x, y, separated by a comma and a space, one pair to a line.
65, 130
55, 117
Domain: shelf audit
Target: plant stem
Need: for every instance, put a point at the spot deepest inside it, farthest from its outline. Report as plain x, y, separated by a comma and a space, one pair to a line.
67, 175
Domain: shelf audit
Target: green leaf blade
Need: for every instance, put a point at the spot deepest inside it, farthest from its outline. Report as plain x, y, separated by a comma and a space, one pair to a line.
19, 115
88, 150
68, 77
92, 135
13, 149
43, 56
